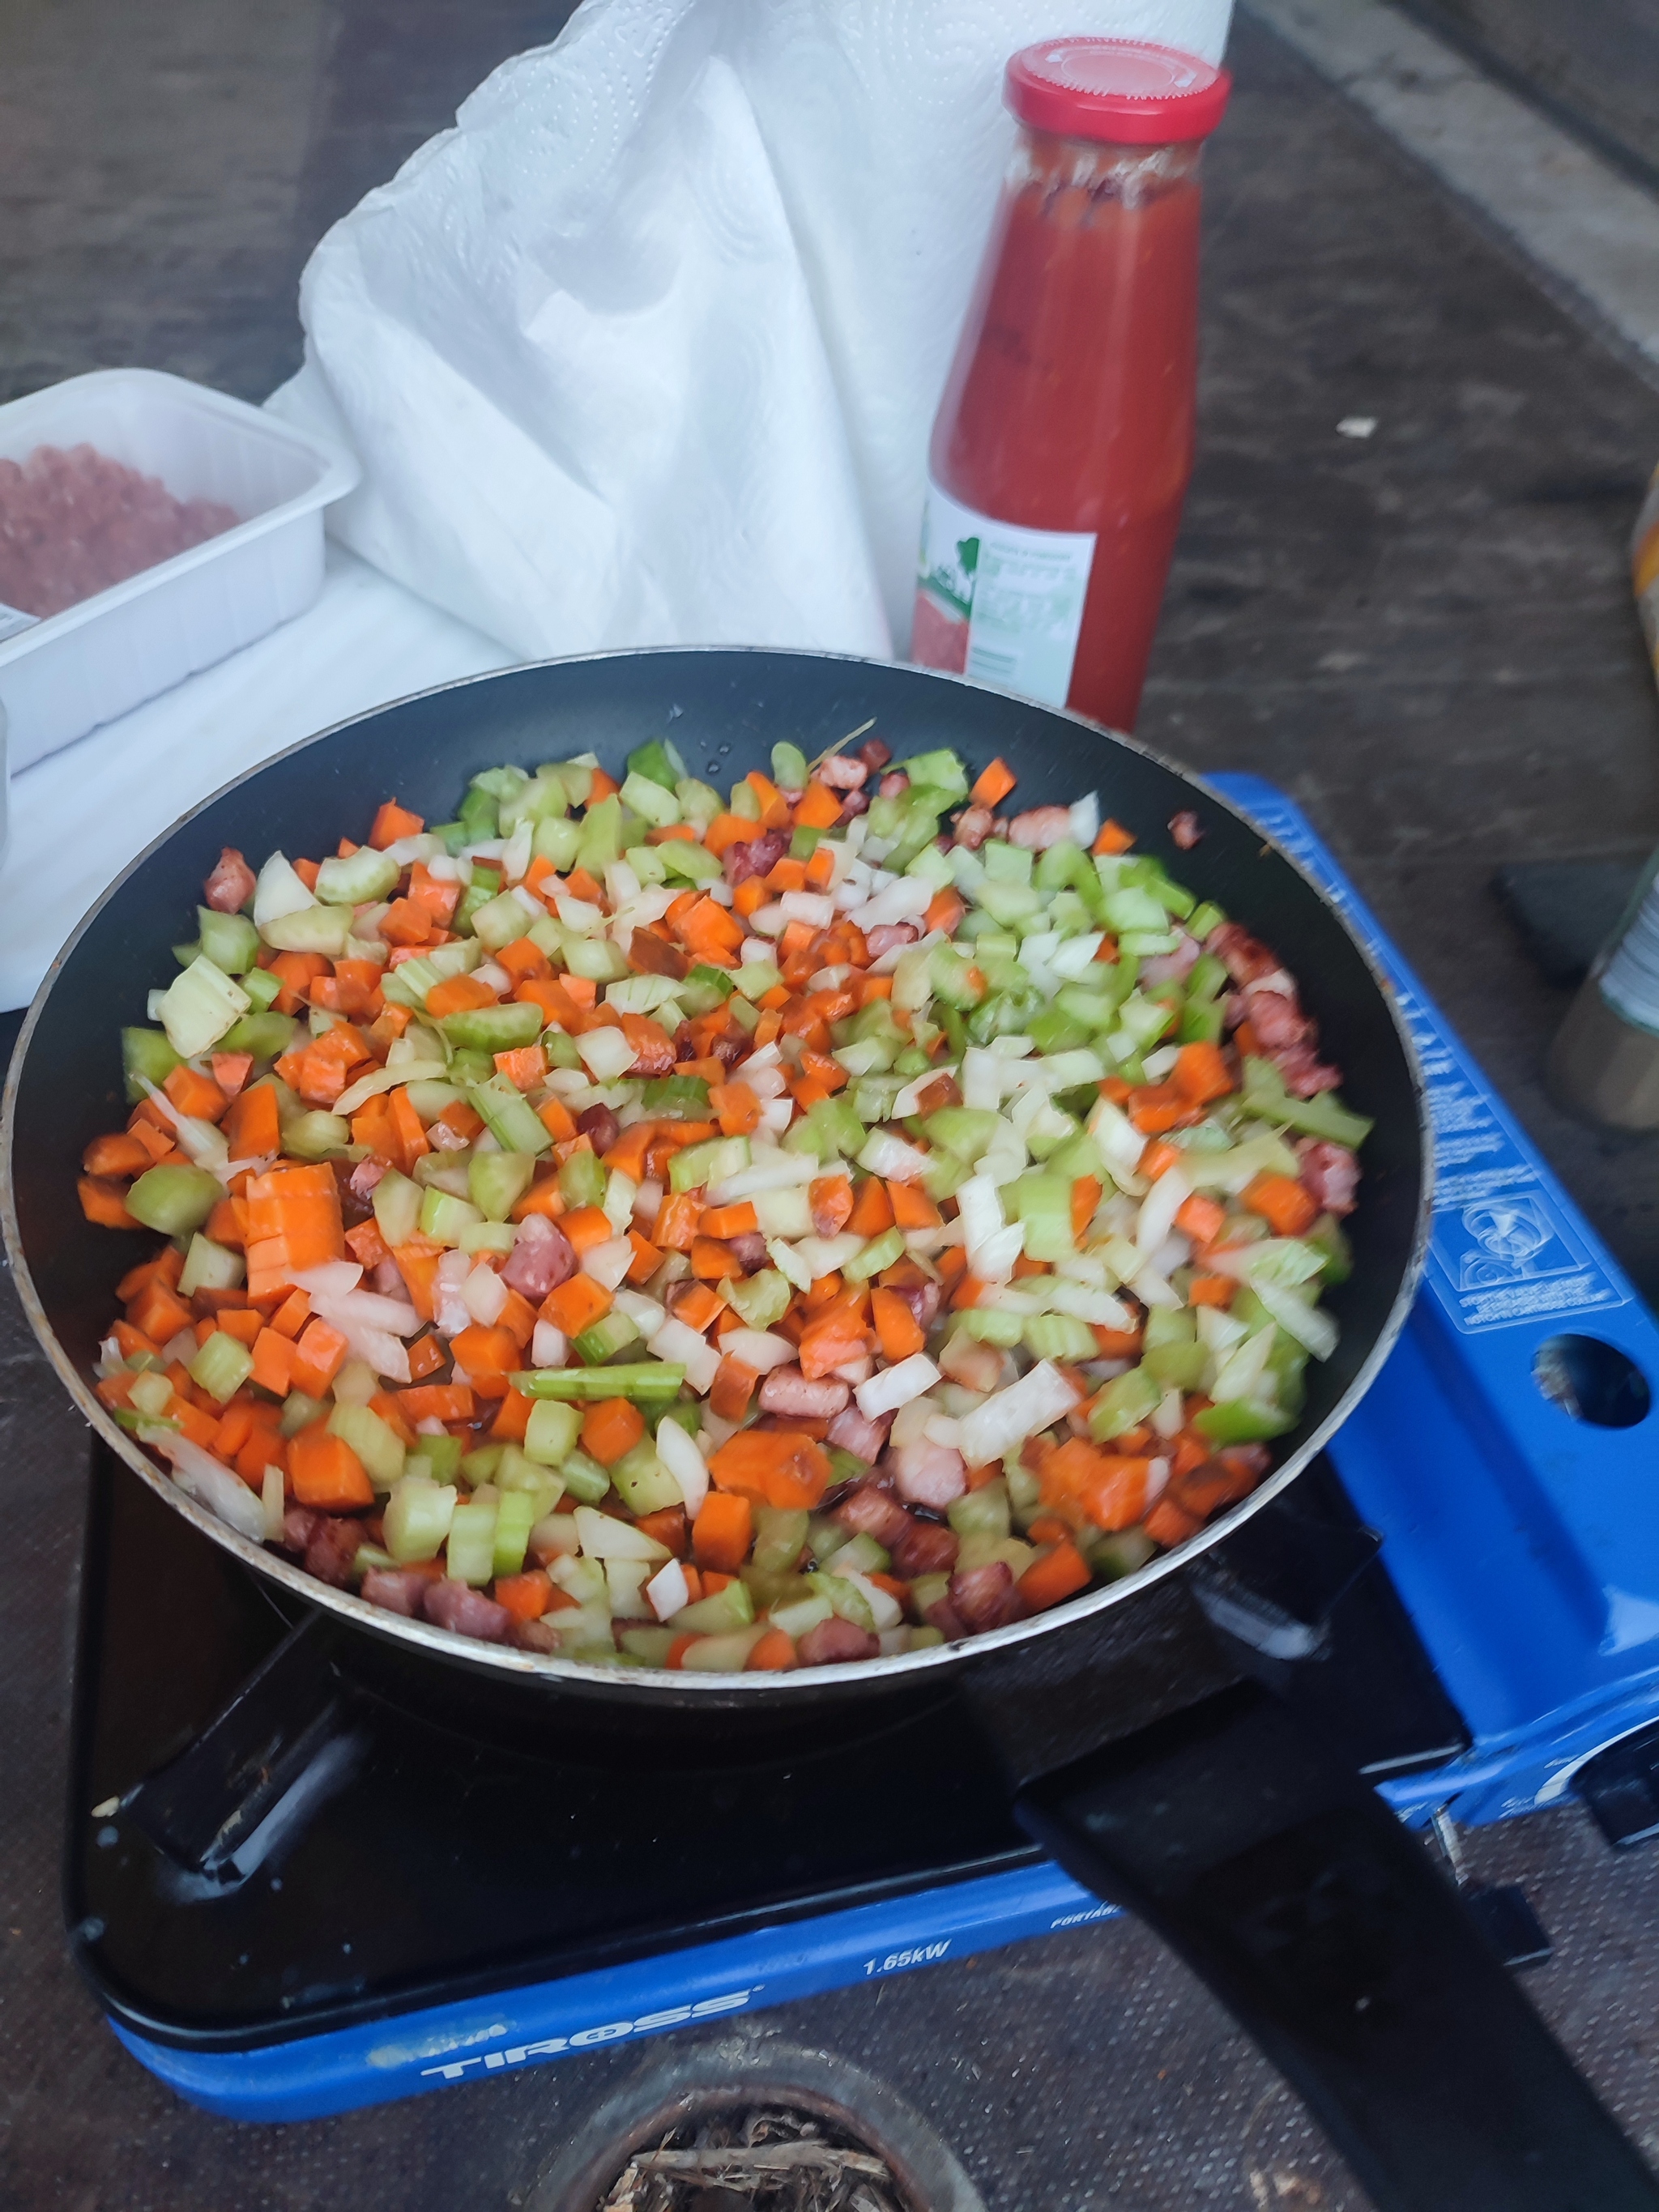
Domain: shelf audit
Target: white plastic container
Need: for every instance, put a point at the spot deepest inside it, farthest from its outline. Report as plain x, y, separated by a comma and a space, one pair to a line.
64, 676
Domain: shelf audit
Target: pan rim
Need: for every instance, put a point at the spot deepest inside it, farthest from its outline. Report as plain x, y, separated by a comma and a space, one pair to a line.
655, 1685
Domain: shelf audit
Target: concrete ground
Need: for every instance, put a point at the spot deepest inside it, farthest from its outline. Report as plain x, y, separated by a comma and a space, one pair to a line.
1425, 636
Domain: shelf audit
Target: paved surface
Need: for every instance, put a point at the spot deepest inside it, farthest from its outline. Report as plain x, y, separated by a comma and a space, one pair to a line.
1426, 636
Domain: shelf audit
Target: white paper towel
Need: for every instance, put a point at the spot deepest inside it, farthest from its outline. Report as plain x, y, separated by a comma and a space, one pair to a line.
646, 350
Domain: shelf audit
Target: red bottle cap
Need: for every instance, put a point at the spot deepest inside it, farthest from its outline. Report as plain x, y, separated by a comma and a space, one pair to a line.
1116, 89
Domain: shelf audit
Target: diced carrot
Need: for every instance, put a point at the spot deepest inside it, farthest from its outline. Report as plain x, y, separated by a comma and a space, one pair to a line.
945, 910
116, 1156
240, 1322
1201, 1073
1156, 1107
413, 1143
993, 785
437, 1401
298, 971
628, 1154
291, 1316
1113, 838
830, 1198
267, 1447
1087, 1191
1211, 1291
527, 1596
1287, 1207
611, 1428
319, 1357
1167, 1525
199, 1096
406, 921
165, 1268
1116, 1343
575, 1305
653, 1048
711, 1260
668, 1525
1200, 1218
733, 1388
522, 959
426, 1357
739, 1220
104, 1203
487, 1356
873, 1210
326, 1474
466, 1120
273, 1362
830, 1341
439, 899
774, 807
710, 932
1246, 1042
231, 1070
786, 875
969, 1292
586, 1227
366, 1245
512, 1421
778, 1467
458, 995
392, 823
818, 807
1053, 1576
374, 1125
696, 1305
293, 1224
159, 1313
235, 1427
1158, 1158
675, 1228
1115, 1496
821, 868
897, 1328
770, 1654
727, 829
524, 1067
252, 1128
722, 1532
226, 1223
556, 1119
912, 1207
518, 1318
645, 1260
736, 1107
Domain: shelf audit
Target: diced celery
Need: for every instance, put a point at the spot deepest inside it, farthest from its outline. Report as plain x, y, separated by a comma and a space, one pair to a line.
316, 1136
606, 1338
1054, 1031
760, 1298
357, 878
845, 1597
1242, 1420
557, 841
1058, 1336
731, 1607
222, 1366
1123, 1404
683, 1097
584, 1478
652, 1643
983, 1512
500, 922
322, 929
443, 1217
515, 1516
722, 1655
497, 1180
659, 762
417, 1518
264, 1035
993, 1325
872, 1095
1004, 863
375, 1442
694, 863
880, 1252
510, 1118
397, 1203
601, 842
479, 1465
1322, 1116
175, 1199
1043, 1203
956, 979
861, 1555
552, 1433
199, 1006
941, 772
582, 1180
781, 1532
643, 1379
560, 1049
229, 940
697, 1164
493, 1029
594, 958
965, 1131
643, 1483
472, 1554
652, 801
210, 1267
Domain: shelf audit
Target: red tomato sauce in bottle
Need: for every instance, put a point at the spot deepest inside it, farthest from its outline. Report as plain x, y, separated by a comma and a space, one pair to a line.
1063, 445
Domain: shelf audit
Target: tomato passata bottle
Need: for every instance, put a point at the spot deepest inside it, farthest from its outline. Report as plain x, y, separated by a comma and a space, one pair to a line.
1064, 442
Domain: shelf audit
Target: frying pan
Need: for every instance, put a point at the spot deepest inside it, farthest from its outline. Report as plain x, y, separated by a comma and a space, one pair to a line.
1273, 1870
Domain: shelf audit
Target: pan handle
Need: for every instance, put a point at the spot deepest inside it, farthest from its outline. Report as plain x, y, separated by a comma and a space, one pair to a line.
1321, 1924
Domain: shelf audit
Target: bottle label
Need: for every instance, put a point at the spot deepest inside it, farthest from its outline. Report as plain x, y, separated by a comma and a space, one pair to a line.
997, 602
1630, 982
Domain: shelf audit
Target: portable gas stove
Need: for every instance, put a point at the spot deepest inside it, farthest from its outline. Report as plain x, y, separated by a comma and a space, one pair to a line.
339, 1893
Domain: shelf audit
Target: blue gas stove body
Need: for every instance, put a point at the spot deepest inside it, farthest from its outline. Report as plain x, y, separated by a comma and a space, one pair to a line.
1523, 1541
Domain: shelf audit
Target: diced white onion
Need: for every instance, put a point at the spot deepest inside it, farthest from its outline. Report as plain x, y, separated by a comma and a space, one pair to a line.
893, 1387
816, 911
579, 914
200, 1476
680, 1455
646, 1314
1085, 820
770, 1169
1310, 1325
994, 1262
278, 891
892, 1159
273, 1504
757, 1348
549, 1346
609, 1262
667, 1589
515, 854
484, 1295
680, 1344
826, 1255
1076, 956
1159, 1208
604, 1537
981, 1079
332, 1279
1085, 1303
1036, 1402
